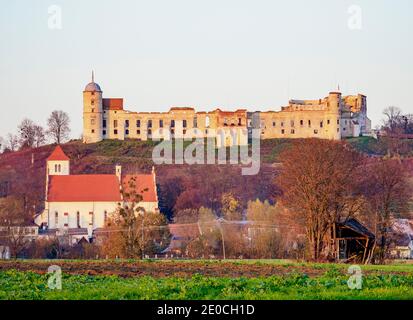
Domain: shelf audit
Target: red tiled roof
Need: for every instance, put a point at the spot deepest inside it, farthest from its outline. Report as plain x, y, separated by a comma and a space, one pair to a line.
113, 103
58, 155
84, 188
145, 186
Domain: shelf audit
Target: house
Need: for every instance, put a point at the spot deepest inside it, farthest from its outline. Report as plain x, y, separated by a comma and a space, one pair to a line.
401, 246
77, 205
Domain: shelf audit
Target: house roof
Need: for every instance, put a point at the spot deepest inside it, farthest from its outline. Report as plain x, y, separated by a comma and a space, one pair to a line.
145, 185
84, 188
58, 155
356, 226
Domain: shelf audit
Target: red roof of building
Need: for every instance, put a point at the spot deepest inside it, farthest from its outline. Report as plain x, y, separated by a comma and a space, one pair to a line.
113, 103
145, 186
84, 188
58, 155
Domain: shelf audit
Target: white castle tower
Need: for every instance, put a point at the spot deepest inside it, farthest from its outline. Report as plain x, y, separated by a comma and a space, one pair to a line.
92, 113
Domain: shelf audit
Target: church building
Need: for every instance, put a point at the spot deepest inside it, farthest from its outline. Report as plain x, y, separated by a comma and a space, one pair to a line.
77, 205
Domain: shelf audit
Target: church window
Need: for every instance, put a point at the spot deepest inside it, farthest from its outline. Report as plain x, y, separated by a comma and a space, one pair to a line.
59, 167
55, 168
105, 217
56, 219
91, 219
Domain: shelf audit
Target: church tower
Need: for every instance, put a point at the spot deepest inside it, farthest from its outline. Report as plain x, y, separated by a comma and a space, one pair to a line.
92, 113
58, 163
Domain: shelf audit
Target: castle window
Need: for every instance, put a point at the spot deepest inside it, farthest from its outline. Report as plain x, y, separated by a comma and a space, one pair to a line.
292, 131
184, 124
115, 131
138, 132
315, 131
138, 123
92, 122
195, 122
321, 124
149, 132
207, 121
115, 123
127, 123
184, 131
225, 121
240, 121
104, 132
292, 123
126, 131
309, 123
93, 130
104, 123
172, 123
93, 93
328, 121
92, 102
273, 123
282, 124
301, 122
160, 123
282, 131
206, 131
93, 110
338, 121
149, 123
78, 219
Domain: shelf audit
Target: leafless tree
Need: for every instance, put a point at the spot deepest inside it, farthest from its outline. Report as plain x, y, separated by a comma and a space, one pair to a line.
393, 118
39, 136
317, 182
12, 142
58, 126
27, 133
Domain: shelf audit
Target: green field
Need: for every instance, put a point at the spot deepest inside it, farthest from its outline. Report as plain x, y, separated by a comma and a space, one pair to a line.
328, 282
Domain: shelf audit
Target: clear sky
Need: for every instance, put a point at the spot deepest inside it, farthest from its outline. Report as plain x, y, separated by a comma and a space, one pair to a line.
207, 54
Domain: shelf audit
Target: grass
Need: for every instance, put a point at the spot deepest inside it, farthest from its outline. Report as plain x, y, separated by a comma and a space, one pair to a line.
379, 283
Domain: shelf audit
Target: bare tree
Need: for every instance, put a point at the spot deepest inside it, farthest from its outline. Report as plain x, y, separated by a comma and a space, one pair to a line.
388, 191
58, 126
27, 133
13, 223
12, 142
317, 181
39, 136
393, 119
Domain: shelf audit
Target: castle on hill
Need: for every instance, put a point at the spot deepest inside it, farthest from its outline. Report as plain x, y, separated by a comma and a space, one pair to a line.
333, 117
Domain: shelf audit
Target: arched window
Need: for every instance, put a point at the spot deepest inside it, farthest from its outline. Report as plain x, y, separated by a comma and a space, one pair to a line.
56, 219
55, 168
60, 168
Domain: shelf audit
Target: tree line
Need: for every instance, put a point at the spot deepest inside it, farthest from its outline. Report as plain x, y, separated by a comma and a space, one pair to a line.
32, 135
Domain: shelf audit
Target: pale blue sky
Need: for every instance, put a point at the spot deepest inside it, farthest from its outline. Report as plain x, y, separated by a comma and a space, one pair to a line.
216, 53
